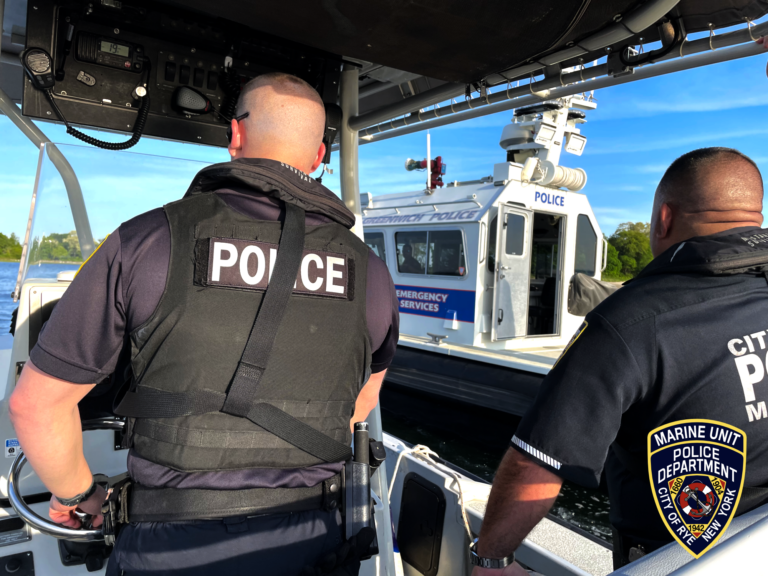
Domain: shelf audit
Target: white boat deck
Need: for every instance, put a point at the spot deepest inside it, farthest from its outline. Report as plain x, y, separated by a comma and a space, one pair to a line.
536, 360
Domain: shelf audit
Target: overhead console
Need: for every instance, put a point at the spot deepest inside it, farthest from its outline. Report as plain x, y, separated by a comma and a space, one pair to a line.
101, 61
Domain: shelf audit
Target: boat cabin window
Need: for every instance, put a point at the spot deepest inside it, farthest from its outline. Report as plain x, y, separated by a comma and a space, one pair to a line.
586, 246
492, 245
375, 241
439, 252
411, 252
515, 235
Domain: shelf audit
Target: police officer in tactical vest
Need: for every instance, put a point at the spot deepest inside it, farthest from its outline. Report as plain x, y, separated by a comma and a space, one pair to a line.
666, 347
256, 329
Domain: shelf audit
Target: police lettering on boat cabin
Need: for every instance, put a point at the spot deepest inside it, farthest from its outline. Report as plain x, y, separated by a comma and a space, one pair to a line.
247, 264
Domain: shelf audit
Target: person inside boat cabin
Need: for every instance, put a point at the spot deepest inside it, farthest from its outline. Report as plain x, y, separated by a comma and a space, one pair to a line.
171, 296
659, 350
409, 264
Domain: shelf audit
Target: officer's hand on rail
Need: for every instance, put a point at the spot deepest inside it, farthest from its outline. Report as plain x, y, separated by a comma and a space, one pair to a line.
66, 516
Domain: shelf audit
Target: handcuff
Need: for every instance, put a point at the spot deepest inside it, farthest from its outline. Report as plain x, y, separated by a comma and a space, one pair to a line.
492, 563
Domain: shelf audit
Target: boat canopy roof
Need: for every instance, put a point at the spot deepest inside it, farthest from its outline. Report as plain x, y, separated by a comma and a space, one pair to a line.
412, 55
456, 40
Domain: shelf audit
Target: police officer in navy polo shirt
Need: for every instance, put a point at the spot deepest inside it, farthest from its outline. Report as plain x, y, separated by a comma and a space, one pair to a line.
256, 327
665, 347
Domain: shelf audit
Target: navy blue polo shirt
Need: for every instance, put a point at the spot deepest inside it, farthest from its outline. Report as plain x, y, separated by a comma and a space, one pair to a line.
665, 347
118, 289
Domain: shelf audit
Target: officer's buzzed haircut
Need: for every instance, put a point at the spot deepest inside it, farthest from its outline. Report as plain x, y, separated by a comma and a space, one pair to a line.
714, 178
289, 109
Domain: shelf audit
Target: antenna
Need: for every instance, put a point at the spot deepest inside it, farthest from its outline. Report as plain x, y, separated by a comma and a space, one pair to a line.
429, 166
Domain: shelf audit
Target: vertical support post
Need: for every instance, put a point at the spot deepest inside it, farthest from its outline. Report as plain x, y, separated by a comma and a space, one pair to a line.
350, 194
348, 146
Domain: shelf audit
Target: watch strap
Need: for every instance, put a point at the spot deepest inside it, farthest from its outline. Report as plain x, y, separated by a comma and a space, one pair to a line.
491, 563
75, 500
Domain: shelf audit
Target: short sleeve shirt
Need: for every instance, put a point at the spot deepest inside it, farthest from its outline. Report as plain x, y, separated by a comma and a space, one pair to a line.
655, 352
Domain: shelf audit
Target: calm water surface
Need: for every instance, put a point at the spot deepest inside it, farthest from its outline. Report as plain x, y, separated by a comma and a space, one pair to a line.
473, 439
476, 439
8, 273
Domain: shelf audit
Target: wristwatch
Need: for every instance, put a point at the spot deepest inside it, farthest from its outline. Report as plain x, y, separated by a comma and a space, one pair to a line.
75, 500
493, 563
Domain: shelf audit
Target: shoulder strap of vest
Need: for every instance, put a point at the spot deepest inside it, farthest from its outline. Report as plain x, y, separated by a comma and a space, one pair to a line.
239, 399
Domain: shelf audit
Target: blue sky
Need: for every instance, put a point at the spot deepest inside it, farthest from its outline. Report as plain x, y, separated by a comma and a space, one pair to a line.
637, 130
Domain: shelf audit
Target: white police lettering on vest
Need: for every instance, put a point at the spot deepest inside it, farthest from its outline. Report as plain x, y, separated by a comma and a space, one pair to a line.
248, 264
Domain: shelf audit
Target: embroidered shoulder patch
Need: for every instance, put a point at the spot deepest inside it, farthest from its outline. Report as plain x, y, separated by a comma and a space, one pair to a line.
697, 474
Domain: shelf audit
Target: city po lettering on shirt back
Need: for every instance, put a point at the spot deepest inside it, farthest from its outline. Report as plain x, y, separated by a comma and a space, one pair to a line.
248, 264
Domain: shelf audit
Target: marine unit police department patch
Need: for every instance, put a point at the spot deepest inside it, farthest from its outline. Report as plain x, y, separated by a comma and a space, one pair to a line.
697, 473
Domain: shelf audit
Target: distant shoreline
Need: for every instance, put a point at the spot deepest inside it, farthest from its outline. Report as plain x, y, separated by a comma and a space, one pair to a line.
44, 262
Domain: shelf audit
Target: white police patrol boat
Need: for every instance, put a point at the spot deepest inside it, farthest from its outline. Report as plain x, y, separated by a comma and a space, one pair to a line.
387, 67
485, 270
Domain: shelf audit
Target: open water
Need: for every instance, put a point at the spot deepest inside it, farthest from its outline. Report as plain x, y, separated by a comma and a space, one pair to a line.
8, 273
474, 439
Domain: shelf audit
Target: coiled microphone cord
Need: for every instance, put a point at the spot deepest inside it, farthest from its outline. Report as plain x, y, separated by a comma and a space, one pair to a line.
138, 127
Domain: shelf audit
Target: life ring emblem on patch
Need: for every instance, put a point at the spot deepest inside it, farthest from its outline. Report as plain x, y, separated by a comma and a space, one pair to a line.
697, 473
697, 500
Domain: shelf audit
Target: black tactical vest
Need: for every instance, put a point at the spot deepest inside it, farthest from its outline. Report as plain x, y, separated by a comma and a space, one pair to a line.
220, 264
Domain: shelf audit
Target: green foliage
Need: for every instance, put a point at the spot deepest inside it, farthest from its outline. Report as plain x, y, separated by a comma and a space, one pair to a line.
629, 250
57, 248
613, 263
10, 248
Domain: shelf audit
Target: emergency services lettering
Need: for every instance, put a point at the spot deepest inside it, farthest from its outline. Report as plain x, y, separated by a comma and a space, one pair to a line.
440, 303
248, 264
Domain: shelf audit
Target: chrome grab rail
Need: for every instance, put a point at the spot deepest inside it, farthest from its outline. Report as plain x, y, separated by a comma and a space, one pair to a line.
44, 525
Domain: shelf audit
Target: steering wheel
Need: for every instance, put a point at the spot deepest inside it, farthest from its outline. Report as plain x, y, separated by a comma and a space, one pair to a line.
44, 525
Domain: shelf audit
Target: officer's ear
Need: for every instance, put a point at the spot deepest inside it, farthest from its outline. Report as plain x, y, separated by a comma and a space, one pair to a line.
235, 140
665, 218
318, 158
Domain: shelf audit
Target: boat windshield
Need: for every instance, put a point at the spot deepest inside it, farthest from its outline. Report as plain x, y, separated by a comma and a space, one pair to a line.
106, 187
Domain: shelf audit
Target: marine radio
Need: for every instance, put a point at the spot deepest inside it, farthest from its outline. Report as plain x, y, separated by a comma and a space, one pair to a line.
97, 62
110, 52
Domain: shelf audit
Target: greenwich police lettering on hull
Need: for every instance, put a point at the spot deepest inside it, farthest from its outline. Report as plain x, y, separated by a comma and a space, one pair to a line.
426, 217
437, 302
697, 473
247, 264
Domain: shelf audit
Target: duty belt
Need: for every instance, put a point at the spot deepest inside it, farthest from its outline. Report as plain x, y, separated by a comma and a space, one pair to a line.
131, 502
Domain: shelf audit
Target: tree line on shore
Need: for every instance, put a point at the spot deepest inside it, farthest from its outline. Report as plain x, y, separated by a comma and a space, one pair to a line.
629, 251
10, 247
51, 248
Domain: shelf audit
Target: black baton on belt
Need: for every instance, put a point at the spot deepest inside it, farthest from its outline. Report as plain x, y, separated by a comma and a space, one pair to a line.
357, 476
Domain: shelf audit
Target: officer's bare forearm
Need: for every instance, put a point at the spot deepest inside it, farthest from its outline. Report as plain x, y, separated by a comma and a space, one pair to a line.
44, 413
368, 398
522, 494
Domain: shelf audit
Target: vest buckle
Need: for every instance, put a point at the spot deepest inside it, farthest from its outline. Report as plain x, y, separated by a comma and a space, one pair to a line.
115, 510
